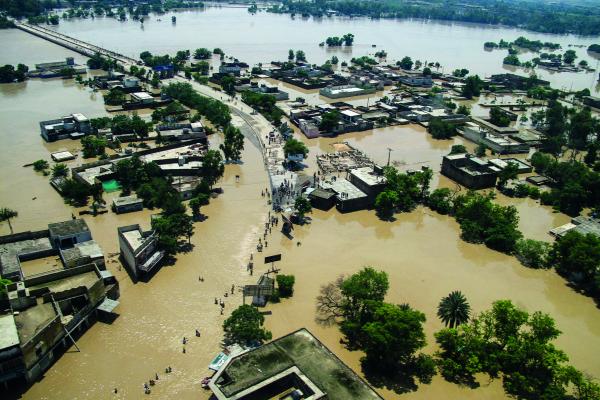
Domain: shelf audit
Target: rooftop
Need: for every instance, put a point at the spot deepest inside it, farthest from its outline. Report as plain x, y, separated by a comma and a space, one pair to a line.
8, 332
70, 227
368, 176
342, 186
299, 352
9, 253
125, 200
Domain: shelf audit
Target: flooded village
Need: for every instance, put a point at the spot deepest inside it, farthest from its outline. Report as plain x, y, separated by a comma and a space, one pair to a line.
163, 201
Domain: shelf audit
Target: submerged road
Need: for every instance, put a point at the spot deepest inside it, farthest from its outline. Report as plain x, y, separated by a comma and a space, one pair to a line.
272, 149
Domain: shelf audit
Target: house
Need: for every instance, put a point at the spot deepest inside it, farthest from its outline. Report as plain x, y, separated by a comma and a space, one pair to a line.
127, 204
513, 81
73, 126
295, 366
580, 224
415, 80
142, 98
68, 233
165, 71
57, 68
321, 198
469, 171
348, 197
234, 68
336, 92
369, 180
139, 250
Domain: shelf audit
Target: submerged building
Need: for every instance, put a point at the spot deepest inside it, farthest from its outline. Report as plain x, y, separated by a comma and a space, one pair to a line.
72, 126
295, 366
139, 250
469, 171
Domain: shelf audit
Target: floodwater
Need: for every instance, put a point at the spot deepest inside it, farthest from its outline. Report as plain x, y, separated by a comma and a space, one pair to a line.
421, 251
265, 37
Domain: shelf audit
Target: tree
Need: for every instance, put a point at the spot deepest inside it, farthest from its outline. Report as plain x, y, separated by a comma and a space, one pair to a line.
233, 144
93, 146
532, 253
385, 203
335, 60
464, 110
60, 170
114, 97
285, 285
480, 150
460, 73
498, 118
454, 309
212, 167
569, 56
348, 39
291, 55
3, 284
511, 59
391, 340
329, 121
458, 149
472, 87
6, 214
75, 193
244, 326
582, 126
508, 173
406, 63
294, 146
40, 165
202, 54
302, 206
228, 84
440, 200
426, 71
440, 129
197, 202
300, 56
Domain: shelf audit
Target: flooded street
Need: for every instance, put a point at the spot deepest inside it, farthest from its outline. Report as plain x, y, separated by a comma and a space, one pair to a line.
421, 251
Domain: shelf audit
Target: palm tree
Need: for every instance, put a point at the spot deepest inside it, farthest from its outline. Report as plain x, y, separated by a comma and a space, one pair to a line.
454, 309
6, 214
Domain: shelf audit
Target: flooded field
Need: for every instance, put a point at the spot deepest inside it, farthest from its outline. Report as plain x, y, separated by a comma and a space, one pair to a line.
421, 251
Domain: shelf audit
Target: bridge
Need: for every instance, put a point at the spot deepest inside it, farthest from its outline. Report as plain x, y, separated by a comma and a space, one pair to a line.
272, 151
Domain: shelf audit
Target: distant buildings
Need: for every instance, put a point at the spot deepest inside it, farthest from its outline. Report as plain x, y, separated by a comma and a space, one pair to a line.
139, 250
72, 126
233, 68
57, 68
469, 171
516, 82
60, 288
498, 143
336, 92
580, 224
295, 366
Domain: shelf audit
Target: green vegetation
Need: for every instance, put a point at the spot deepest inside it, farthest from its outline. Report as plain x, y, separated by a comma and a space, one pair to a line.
577, 18
498, 118
99, 62
473, 86
302, 207
212, 167
93, 146
329, 121
244, 326
523, 42
569, 56
40, 165
233, 144
10, 74
460, 73
122, 125
464, 110
458, 149
454, 309
114, 97
264, 104
403, 192
406, 63
532, 253
285, 285
60, 170
364, 61
3, 284
202, 54
509, 343
5, 23
174, 111
511, 59
390, 335
6, 214
294, 146
574, 185
595, 48
334, 41
214, 110
440, 129
76, 193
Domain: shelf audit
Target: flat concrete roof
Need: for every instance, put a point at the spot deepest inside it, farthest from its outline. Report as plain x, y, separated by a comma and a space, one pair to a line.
31, 319
125, 200
301, 350
368, 176
8, 331
70, 227
342, 186
134, 238
9, 253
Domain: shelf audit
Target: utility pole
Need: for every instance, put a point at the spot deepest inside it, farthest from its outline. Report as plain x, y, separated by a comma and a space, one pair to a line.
389, 153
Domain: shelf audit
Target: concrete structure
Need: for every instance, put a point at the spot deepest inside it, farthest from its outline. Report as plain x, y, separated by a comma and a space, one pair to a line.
126, 204
56, 69
514, 81
469, 171
369, 180
501, 163
348, 197
424, 81
73, 126
336, 92
295, 366
139, 250
501, 144
142, 98
581, 224
321, 198
233, 68
61, 156
68, 233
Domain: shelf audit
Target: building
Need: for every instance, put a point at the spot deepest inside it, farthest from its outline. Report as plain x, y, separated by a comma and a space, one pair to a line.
165, 71
142, 98
369, 180
336, 92
60, 287
234, 68
591, 101
513, 81
321, 198
469, 171
348, 197
416, 80
295, 366
126, 204
57, 68
139, 250
580, 224
73, 126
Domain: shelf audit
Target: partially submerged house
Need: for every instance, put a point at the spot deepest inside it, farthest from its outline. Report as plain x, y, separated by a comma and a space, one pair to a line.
471, 172
139, 250
72, 126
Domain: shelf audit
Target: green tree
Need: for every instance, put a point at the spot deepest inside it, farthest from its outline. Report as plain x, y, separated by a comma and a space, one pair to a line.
472, 87
569, 56
385, 203
245, 326
498, 118
508, 173
6, 214
329, 121
406, 63
294, 146
440, 200
291, 55
480, 150
532, 253
581, 127
3, 284
464, 110
75, 192
202, 54
285, 285
212, 167
40, 165
228, 85
59, 170
300, 56
454, 309
233, 144
198, 201
93, 146
458, 149
302, 206
440, 129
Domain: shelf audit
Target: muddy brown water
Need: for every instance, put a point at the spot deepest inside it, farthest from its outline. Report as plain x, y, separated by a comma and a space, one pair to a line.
421, 251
